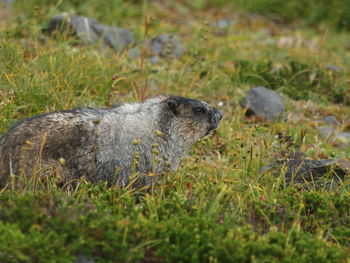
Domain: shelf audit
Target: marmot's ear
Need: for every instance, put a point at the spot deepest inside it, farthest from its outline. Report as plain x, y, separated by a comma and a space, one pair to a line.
173, 106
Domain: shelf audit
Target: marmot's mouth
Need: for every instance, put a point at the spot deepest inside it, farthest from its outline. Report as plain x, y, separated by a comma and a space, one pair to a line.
214, 120
211, 128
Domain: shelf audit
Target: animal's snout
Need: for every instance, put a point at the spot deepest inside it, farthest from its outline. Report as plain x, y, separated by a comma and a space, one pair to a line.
220, 114
217, 116
215, 119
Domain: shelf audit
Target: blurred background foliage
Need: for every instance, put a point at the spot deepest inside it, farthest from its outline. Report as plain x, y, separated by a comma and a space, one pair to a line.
333, 13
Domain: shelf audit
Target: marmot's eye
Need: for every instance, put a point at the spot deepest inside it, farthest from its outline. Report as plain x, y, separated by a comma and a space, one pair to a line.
199, 110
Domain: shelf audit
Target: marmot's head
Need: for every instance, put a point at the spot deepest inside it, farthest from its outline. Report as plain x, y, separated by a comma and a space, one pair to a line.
193, 119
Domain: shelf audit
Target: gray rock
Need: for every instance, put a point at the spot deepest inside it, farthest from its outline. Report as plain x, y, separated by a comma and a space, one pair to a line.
162, 46
223, 23
264, 103
308, 172
220, 27
89, 30
331, 120
134, 53
334, 68
165, 45
343, 137
83, 259
154, 60
326, 132
331, 133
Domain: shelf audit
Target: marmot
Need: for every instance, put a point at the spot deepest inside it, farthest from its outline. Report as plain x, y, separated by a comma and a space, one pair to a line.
107, 144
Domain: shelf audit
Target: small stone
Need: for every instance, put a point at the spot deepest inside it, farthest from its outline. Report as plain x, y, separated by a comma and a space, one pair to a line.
166, 44
331, 120
306, 171
89, 30
134, 53
264, 103
154, 60
223, 23
326, 132
162, 46
334, 68
345, 136
220, 27
332, 134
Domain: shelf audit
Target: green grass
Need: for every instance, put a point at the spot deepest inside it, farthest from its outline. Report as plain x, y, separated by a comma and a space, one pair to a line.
217, 207
333, 13
315, 13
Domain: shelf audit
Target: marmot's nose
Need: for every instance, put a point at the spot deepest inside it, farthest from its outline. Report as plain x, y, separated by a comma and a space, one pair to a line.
217, 116
220, 114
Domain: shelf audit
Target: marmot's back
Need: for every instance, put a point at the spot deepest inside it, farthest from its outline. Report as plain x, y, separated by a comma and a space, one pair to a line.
44, 138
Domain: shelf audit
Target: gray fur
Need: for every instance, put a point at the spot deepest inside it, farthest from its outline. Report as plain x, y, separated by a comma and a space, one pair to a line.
106, 144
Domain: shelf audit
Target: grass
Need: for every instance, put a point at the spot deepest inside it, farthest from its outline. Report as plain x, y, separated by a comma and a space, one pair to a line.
217, 207
315, 13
